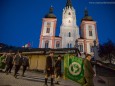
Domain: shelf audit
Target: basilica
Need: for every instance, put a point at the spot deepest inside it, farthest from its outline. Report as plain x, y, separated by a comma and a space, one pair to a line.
70, 33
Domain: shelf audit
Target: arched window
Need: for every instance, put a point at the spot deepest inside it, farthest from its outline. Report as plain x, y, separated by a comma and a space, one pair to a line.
69, 13
46, 44
69, 34
68, 45
57, 44
48, 30
90, 33
90, 30
81, 47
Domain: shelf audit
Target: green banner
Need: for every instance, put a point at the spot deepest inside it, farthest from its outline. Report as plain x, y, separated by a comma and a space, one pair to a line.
73, 68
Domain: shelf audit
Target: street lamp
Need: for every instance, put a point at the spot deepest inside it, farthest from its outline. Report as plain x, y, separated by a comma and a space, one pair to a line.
76, 43
77, 50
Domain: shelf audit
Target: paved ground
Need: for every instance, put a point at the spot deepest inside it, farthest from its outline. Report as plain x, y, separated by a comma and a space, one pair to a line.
37, 79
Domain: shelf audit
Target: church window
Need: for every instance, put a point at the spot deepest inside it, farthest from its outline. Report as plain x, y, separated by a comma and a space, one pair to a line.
90, 33
69, 34
91, 48
69, 13
68, 45
90, 30
46, 44
80, 47
48, 30
57, 44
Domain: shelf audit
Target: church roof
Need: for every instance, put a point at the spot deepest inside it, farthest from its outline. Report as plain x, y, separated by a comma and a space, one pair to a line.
50, 14
86, 16
68, 4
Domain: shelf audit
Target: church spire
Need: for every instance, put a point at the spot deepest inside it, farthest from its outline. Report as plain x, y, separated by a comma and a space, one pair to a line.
68, 4
86, 16
51, 10
86, 12
50, 14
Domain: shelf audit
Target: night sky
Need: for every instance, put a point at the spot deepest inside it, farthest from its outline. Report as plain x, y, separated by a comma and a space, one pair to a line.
21, 20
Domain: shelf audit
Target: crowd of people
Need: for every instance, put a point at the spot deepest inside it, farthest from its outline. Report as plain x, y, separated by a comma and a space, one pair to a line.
53, 67
16, 60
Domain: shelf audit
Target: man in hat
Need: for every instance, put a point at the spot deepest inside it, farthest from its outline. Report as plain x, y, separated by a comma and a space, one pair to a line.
50, 63
88, 71
25, 64
17, 62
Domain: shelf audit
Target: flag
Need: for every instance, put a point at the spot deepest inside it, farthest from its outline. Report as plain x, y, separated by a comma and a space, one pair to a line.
73, 68
27, 45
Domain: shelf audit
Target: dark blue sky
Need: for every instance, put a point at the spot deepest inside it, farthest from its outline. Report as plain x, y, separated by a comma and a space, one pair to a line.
21, 20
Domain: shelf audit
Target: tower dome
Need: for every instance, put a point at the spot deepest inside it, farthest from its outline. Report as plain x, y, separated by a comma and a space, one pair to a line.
50, 14
86, 16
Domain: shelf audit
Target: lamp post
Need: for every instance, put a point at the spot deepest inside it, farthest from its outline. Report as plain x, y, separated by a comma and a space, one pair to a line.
95, 49
76, 48
76, 43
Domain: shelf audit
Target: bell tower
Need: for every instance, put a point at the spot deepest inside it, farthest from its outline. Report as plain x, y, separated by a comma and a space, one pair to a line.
88, 31
47, 36
69, 31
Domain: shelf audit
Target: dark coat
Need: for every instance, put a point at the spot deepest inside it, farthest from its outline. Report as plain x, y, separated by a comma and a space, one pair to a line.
25, 61
58, 65
88, 70
18, 60
9, 60
49, 62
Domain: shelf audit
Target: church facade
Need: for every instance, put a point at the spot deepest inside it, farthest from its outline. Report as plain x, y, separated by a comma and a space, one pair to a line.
70, 33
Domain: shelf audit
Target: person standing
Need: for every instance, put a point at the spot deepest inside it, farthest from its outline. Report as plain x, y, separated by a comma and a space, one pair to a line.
88, 71
58, 69
25, 64
50, 63
9, 62
17, 62
11, 66
2, 62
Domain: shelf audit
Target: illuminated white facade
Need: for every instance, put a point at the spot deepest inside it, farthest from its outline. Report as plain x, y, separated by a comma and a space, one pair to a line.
69, 31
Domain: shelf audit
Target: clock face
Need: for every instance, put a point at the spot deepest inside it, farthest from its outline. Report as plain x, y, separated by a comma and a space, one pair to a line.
90, 27
48, 24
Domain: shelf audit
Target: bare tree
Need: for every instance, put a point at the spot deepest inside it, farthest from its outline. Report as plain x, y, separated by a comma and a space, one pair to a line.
107, 51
